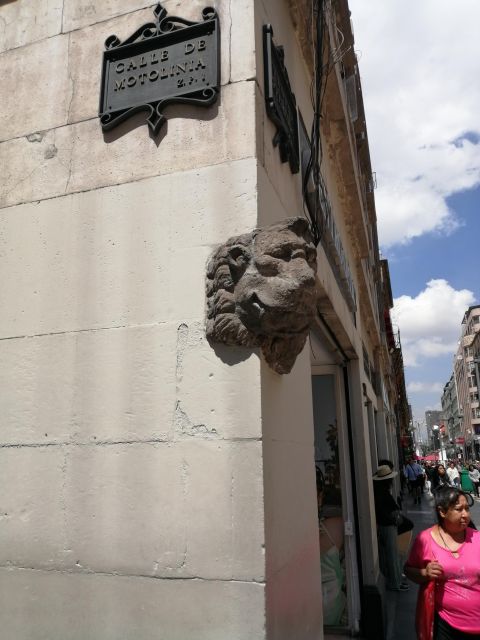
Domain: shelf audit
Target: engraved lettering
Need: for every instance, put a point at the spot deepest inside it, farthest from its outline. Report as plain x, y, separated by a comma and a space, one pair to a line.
163, 73
181, 67
119, 84
190, 68
164, 55
142, 62
201, 45
131, 66
180, 82
200, 65
142, 77
132, 81
153, 58
153, 75
120, 68
189, 47
172, 70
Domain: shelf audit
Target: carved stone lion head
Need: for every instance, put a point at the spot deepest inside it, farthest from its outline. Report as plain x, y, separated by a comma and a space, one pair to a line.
261, 291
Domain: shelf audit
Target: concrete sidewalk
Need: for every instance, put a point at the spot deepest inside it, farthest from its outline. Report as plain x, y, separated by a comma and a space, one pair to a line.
401, 605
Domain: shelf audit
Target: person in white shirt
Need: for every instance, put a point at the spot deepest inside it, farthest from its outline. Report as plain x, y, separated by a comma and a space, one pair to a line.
453, 475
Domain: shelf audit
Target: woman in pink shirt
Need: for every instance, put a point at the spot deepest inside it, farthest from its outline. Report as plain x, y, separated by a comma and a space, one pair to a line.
449, 553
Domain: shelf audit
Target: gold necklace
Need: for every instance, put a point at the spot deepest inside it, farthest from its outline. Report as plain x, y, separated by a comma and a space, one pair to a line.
455, 553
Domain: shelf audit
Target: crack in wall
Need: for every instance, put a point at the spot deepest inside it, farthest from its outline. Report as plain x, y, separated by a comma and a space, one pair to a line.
70, 77
90, 443
118, 574
77, 331
63, 501
182, 340
110, 443
186, 426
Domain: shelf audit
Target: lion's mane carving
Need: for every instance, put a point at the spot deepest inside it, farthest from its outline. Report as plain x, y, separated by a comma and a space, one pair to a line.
261, 291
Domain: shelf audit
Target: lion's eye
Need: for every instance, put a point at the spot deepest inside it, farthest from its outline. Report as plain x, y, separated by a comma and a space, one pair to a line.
298, 253
282, 253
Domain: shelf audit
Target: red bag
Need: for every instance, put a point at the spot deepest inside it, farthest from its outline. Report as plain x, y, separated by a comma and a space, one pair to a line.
425, 613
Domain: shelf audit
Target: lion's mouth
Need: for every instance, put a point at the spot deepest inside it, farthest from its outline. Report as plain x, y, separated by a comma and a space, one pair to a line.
257, 306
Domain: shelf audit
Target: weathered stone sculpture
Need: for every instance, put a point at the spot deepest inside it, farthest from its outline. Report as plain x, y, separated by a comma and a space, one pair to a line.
261, 291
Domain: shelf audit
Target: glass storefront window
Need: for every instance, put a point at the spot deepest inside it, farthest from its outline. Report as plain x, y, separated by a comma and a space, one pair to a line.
330, 511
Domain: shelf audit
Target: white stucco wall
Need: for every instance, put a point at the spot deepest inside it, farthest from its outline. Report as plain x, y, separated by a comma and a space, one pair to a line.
130, 451
293, 588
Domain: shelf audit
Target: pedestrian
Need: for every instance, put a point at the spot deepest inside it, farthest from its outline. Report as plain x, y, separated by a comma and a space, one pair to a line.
389, 518
414, 473
474, 475
445, 561
439, 477
429, 472
453, 475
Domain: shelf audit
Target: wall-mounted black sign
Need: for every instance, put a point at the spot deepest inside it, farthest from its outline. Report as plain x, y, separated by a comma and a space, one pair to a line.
166, 61
280, 101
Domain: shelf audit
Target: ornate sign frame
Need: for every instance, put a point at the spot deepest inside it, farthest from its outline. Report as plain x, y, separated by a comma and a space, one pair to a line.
170, 60
280, 101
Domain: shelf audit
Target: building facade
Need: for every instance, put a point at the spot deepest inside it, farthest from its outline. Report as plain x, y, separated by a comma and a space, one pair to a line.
465, 369
434, 421
157, 484
451, 419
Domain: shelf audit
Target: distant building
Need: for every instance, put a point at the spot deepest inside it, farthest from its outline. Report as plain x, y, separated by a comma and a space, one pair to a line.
434, 420
474, 395
451, 419
466, 376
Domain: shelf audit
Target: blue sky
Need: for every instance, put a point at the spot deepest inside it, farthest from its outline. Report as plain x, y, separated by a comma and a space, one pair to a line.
419, 65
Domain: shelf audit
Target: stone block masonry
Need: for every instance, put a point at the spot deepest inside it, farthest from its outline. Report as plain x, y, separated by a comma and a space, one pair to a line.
130, 451
154, 485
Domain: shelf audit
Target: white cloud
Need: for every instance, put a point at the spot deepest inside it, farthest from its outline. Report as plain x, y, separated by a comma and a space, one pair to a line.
419, 64
430, 322
425, 387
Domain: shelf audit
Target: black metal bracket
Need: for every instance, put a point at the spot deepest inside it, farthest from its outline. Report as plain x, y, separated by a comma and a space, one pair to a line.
169, 60
280, 101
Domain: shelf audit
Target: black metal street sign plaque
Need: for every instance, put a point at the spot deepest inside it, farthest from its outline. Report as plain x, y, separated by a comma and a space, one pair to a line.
170, 60
280, 101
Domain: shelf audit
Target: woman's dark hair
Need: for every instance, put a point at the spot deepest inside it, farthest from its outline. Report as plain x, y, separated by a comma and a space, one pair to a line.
447, 497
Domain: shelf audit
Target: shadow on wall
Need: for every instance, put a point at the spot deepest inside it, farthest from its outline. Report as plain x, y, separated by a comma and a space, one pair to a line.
233, 355
139, 119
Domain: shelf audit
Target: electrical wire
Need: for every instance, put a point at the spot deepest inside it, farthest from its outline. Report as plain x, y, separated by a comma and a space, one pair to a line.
317, 95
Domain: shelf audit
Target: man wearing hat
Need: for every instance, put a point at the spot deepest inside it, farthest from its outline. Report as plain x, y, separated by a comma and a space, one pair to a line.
388, 516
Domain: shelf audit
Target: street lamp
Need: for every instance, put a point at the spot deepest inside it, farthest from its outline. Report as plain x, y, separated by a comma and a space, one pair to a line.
435, 438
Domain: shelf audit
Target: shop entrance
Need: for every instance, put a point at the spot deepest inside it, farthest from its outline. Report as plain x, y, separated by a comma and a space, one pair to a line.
338, 558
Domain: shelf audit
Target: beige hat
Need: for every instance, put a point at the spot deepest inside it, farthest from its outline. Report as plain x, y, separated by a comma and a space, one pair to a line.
384, 473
